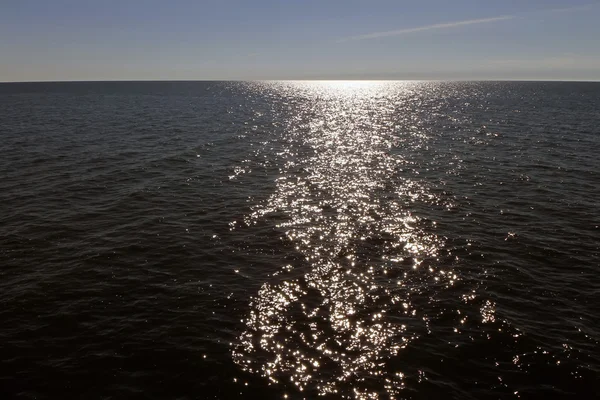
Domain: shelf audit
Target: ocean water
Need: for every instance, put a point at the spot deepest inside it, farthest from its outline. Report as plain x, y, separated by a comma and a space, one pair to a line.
356, 240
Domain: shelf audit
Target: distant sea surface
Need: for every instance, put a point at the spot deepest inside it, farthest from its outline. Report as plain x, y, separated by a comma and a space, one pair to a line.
269, 240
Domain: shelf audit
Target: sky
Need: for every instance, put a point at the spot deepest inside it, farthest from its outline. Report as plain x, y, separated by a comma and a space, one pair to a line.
74, 40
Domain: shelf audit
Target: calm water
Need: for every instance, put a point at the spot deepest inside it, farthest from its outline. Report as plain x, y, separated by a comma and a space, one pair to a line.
223, 240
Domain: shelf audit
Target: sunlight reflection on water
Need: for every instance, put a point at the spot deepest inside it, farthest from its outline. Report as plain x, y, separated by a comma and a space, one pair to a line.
343, 199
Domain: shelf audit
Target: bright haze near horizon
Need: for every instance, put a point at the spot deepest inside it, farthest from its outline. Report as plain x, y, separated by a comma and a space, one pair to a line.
68, 40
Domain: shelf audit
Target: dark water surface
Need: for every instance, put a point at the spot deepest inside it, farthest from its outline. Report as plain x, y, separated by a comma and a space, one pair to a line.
361, 240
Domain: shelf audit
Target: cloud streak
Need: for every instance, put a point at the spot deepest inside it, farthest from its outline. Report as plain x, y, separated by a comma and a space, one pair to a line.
448, 25
457, 24
571, 9
564, 61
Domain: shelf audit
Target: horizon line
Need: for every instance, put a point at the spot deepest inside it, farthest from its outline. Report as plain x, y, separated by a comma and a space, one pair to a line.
308, 80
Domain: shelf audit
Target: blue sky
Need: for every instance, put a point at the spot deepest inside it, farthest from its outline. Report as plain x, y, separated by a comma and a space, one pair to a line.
299, 39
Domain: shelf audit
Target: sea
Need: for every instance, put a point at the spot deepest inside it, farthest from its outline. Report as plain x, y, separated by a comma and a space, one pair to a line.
300, 240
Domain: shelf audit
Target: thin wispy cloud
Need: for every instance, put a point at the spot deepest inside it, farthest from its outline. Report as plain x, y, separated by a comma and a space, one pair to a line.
571, 9
448, 25
458, 24
564, 61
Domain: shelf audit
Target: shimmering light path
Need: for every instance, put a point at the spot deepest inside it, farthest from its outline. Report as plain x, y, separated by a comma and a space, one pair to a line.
374, 270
